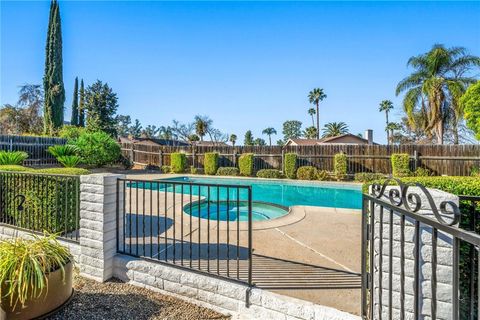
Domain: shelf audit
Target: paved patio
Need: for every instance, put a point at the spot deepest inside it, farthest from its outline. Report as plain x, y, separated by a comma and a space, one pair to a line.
315, 257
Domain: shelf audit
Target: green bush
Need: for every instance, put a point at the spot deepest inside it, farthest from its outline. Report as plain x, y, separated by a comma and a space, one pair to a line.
178, 162
227, 171
211, 163
270, 174
422, 172
12, 157
245, 163
368, 176
323, 175
166, 169
14, 167
69, 161
193, 170
400, 164
97, 149
63, 150
290, 165
340, 166
475, 172
66, 171
307, 173
71, 133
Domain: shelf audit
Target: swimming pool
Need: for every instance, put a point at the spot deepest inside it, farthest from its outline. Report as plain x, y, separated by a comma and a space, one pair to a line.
290, 193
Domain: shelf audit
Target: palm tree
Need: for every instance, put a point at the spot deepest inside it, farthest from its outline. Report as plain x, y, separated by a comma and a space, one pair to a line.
391, 128
312, 112
315, 96
386, 106
233, 139
202, 126
269, 132
333, 129
310, 132
433, 86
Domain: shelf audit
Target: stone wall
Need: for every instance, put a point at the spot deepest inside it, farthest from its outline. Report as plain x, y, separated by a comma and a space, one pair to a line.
444, 261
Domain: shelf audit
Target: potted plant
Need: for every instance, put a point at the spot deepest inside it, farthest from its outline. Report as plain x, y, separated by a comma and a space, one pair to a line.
35, 276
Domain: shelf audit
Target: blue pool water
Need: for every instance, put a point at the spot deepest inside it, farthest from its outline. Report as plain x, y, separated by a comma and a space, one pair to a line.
271, 198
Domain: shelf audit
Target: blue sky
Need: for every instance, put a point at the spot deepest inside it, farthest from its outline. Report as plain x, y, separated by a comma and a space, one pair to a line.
247, 65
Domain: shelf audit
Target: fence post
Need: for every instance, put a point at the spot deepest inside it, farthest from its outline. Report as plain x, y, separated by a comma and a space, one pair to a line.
193, 156
98, 224
415, 160
132, 153
283, 161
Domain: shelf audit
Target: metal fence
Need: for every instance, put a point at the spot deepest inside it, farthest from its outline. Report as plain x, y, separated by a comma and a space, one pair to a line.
203, 227
405, 251
453, 160
41, 202
36, 147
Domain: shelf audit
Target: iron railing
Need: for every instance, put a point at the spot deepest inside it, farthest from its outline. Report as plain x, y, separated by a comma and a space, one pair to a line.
400, 225
202, 227
41, 203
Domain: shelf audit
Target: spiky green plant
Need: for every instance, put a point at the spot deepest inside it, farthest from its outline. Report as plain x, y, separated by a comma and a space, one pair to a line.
63, 150
25, 264
69, 161
12, 157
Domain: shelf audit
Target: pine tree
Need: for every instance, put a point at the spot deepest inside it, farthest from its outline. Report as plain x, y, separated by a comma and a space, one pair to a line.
74, 121
53, 77
101, 104
81, 106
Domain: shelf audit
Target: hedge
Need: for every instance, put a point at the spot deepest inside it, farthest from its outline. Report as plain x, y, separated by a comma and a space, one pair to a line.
65, 171
365, 177
400, 164
166, 169
323, 175
211, 163
340, 166
178, 162
227, 171
307, 173
245, 164
270, 173
290, 165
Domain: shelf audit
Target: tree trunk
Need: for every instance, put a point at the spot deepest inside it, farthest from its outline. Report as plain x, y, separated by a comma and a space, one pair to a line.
388, 133
439, 132
318, 122
270, 140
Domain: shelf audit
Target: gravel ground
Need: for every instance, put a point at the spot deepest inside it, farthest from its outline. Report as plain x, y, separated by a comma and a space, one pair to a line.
117, 300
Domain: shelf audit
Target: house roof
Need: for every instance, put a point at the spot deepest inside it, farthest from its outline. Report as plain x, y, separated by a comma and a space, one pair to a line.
210, 144
333, 140
153, 141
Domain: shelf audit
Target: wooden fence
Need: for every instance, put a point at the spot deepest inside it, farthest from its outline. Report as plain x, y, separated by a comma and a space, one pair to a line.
440, 159
36, 147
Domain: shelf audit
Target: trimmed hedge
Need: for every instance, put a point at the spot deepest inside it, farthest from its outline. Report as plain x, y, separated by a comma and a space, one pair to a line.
290, 165
211, 163
400, 164
340, 166
178, 162
66, 171
368, 176
245, 164
307, 173
270, 173
227, 171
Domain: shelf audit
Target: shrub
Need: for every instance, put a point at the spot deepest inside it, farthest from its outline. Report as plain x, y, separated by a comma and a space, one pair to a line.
125, 162
245, 163
422, 172
97, 149
66, 171
25, 264
69, 161
227, 171
71, 133
475, 172
340, 166
166, 169
400, 164
307, 173
270, 174
12, 157
14, 167
193, 170
368, 176
178, 162
323, 175
63, 150
211, 163
290, 165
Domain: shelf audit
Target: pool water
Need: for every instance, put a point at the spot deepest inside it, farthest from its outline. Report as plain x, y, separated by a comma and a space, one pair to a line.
220, 211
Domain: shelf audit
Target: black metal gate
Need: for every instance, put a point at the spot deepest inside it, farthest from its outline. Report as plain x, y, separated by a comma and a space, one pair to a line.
419, 256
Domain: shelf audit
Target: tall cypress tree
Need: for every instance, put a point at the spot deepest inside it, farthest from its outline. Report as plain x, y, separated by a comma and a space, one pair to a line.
53, 77
81, 106
74, 120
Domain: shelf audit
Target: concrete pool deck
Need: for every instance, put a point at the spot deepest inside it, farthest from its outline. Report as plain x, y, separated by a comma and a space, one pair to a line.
315, 258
